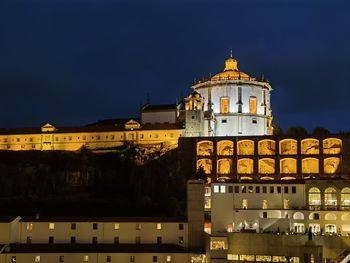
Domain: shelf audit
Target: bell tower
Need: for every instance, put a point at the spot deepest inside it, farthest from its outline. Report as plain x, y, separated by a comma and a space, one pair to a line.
194, 115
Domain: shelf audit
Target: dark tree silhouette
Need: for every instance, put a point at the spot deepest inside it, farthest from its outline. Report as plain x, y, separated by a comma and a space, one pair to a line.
320, 131
296, 131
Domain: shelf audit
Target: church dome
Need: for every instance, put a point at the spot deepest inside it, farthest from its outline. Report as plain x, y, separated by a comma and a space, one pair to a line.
231, 71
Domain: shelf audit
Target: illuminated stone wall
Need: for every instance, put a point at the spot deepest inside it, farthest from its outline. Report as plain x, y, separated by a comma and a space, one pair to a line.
73, 141
272, 157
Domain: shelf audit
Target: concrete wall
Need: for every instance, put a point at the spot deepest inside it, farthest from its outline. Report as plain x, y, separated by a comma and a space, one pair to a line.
105, 232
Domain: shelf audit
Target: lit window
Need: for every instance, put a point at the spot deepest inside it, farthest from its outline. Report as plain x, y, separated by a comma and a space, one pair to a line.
13, 259
207, 202
250, 189
168, 258
51, 226
86, 259
224, 105
222, 189
245, 203
116, 226
37, 258
286, 204
29, 226
216, 188
252, 105
159, 226
232, 257
138, 226
264, 204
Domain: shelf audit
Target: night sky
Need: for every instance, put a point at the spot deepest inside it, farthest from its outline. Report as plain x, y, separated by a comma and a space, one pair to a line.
71, 62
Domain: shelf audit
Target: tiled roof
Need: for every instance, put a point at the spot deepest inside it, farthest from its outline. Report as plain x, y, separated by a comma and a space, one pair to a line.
159, 107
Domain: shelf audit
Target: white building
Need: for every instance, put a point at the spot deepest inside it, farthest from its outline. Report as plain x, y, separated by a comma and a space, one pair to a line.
234, 104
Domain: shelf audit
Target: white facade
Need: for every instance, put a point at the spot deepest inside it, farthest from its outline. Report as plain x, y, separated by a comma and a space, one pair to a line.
275, 207
40, 231
239, 103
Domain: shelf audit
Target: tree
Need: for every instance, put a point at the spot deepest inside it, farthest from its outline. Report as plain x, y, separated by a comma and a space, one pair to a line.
320, 131
201, 175
296, 131
277, 130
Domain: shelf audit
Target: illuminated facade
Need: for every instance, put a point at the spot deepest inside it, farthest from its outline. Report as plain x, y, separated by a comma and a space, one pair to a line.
270, 157
230, 103
233, 104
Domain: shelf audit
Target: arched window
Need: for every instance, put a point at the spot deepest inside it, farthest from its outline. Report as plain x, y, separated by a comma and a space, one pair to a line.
252, 105
225, 147
267, 147
331, 165
330, 198
205, 164
224, 105
288, 146
330, 216
224, 166
332, 146
310, 146
204, 148
310, 166
345, 198
314, 198
288, 166
266, 166
245, 166
298, 216
245, 147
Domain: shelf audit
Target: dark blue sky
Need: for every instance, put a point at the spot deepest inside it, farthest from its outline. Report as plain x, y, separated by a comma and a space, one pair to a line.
73, 62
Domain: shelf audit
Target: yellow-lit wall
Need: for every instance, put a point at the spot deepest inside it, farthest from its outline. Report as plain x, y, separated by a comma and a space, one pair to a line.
269, 158
90, 140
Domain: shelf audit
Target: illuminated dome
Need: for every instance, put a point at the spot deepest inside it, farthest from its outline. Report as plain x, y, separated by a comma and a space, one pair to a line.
231, 71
